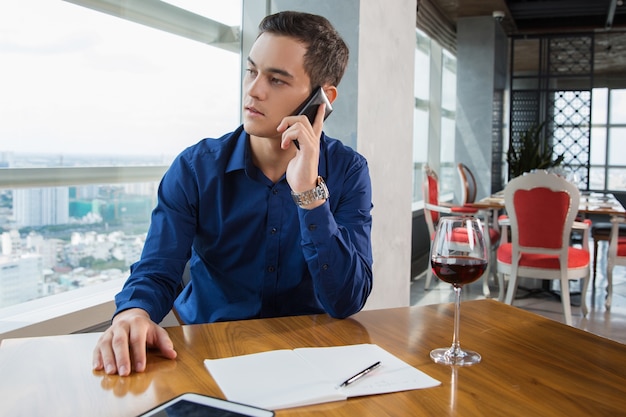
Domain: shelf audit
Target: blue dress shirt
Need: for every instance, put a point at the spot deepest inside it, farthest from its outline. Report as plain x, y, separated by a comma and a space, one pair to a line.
252, 251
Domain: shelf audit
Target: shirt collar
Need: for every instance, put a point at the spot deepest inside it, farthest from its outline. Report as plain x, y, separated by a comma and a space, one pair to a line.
240, 158
240, 152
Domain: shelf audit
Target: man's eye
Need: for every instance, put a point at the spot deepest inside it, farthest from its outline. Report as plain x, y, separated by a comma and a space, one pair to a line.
251, 72
277, 81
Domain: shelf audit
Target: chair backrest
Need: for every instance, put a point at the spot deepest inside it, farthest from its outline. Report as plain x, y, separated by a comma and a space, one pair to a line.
430, 190
542, 208
468, 184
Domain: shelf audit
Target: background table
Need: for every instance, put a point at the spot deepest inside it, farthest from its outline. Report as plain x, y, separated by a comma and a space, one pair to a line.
531, 366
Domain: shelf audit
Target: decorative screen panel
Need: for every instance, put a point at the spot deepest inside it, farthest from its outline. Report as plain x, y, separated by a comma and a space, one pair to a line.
571, 132
557, 92
570, 55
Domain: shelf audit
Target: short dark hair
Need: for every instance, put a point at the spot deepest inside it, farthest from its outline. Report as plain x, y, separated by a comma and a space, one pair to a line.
327, 54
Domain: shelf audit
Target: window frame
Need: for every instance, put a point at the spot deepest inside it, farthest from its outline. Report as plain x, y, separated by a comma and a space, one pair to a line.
90, 307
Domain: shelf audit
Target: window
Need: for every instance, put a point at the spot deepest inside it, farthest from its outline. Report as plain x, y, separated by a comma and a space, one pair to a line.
420, 113
435, 94
608, 140
98, 105
447, 168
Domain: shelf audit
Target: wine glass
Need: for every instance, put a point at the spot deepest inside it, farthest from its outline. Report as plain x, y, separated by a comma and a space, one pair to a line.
458, 256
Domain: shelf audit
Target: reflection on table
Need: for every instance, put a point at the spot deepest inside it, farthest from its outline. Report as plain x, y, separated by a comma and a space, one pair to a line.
531, 365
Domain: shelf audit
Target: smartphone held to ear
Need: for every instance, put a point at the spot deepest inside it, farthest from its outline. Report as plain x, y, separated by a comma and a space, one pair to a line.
310, 106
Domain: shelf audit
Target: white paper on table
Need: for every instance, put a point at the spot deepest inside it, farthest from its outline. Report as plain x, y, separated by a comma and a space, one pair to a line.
290, 378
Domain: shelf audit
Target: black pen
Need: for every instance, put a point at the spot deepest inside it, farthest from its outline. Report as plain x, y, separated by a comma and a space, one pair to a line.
359, 375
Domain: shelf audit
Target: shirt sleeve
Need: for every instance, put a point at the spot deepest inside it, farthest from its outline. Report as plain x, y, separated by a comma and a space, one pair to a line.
336, 242
154, 280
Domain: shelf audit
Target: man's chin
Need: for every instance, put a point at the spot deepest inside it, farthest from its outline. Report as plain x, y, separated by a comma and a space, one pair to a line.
254, 129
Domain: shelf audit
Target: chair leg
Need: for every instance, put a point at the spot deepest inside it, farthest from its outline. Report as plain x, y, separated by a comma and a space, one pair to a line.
486, 276
583, 296
609, 286
500, 287
565, 300
512, 289
493, 271
595, 261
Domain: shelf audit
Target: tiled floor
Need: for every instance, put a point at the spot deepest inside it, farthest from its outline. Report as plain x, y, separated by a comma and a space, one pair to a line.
610, 324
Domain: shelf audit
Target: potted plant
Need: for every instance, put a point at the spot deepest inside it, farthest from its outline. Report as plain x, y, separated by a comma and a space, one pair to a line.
533, 152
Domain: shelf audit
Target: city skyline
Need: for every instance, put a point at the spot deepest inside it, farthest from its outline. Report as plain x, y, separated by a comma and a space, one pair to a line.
57, 239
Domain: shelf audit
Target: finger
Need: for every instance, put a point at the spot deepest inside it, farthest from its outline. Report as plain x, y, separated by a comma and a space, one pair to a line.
121, 357
164, 344
97, 361
104, 357
137, 346
284, 125
318, 123
289, 137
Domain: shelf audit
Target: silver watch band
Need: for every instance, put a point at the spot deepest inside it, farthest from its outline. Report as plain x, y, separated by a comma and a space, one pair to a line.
320, 192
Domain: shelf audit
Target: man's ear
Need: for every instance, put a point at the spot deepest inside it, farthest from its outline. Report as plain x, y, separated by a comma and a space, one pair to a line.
331, 92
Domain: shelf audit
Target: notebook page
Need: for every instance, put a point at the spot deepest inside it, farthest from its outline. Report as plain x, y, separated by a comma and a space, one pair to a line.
341, 362
273, 380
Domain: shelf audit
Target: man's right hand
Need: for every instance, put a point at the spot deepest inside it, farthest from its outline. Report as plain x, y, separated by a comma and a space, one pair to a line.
122, 347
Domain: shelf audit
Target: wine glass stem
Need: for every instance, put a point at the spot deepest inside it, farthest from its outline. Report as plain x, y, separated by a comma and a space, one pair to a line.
456, 345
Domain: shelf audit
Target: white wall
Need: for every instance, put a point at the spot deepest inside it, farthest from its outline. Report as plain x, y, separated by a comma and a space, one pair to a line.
385, 136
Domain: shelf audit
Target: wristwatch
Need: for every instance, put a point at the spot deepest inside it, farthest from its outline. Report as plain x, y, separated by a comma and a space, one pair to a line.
320, 192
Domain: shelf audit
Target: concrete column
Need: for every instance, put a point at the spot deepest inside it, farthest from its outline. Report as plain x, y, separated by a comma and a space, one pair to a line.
481, 82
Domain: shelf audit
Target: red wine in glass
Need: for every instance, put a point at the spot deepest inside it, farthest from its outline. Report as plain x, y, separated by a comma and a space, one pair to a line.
458, 256
458, 270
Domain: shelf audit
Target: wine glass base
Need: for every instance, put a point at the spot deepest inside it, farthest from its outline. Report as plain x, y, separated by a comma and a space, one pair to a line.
458, 357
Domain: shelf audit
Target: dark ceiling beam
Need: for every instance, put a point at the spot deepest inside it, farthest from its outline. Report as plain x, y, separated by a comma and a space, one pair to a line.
556, 8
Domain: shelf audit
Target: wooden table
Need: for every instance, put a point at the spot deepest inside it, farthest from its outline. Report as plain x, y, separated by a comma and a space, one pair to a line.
531, 366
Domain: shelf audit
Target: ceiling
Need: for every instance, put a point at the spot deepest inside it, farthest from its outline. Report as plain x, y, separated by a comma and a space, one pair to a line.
540, 16
607, 18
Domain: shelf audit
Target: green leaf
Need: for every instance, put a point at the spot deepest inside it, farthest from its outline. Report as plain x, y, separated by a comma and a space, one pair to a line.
532, 153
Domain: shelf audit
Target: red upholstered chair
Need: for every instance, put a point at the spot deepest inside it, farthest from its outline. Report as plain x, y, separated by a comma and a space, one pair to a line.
468, 184
616, 255
542, 208
469, 191
433, 209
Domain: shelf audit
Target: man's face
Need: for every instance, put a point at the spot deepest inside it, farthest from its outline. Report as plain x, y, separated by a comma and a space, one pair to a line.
275, 83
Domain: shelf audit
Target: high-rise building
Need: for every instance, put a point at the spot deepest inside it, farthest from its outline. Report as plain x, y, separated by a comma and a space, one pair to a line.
10, 243
20, 277
41, 206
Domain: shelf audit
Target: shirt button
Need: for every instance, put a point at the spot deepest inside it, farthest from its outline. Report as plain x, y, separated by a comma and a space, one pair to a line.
312, 227
274, 230
325, 267
271, 268
275, 191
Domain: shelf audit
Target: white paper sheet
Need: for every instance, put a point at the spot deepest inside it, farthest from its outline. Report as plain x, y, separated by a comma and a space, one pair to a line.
290, 378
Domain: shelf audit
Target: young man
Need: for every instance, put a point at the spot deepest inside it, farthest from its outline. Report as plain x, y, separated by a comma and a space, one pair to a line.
268, 229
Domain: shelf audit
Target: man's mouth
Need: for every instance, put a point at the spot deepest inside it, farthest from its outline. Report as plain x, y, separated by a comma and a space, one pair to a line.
253, 111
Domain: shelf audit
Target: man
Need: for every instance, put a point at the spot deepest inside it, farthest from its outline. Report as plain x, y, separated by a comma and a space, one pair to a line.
227, 206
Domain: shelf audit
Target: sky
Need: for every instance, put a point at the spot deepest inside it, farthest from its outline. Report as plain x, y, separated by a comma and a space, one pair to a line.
74, 80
